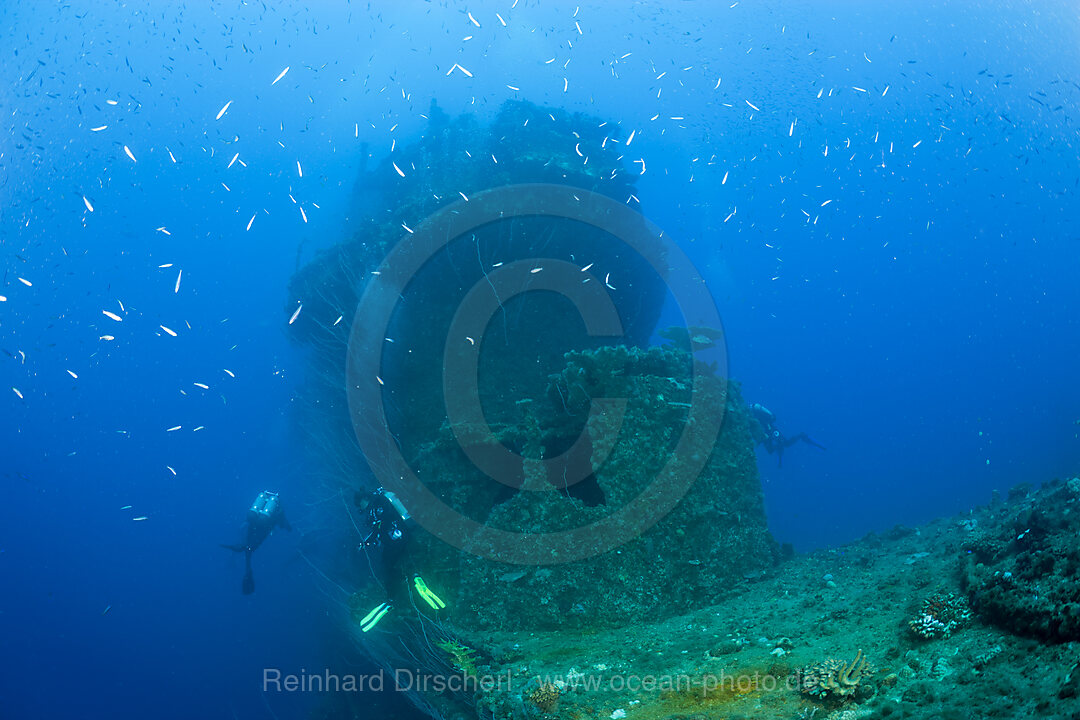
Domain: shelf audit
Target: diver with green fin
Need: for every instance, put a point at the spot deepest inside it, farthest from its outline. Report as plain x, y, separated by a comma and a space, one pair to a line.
389, 529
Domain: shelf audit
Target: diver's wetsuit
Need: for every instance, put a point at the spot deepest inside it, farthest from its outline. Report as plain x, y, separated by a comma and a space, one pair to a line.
265, 514
770, 435
387, 530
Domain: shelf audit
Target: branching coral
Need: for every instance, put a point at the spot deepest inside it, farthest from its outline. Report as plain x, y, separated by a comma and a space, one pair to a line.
928, 627
834, 680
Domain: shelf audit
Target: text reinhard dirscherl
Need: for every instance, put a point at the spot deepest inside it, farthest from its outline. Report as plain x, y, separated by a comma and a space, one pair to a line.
405, 680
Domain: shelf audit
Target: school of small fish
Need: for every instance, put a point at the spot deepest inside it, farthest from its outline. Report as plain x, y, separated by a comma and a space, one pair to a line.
719, 138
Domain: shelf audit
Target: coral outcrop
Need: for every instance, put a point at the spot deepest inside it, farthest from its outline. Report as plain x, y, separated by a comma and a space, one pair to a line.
940, 615
835, 680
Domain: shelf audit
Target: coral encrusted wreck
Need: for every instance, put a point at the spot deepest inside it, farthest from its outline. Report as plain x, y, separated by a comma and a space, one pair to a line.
629, 419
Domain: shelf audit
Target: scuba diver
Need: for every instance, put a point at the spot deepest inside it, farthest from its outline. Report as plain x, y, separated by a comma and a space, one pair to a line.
768, 434
389, 528
264, 515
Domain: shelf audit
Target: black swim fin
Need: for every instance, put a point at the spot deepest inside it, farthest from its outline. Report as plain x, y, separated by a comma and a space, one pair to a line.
248, 586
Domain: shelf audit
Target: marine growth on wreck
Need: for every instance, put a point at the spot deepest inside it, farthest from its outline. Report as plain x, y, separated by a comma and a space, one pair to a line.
539, 373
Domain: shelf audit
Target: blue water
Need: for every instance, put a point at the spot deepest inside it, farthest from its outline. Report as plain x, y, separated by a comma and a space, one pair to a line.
921, 324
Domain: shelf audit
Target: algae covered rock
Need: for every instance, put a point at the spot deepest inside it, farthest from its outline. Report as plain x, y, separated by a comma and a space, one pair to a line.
1030, 582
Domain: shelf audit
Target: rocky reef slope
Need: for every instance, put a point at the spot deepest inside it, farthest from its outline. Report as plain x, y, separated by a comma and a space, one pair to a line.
841, 633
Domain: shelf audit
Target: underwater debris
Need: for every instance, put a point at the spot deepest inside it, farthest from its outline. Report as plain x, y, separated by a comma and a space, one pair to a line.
940, 615
835, 680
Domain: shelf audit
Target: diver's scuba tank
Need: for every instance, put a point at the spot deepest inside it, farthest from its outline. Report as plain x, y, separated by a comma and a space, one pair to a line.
265, 504
763, 414
396, 502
